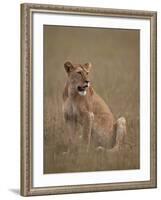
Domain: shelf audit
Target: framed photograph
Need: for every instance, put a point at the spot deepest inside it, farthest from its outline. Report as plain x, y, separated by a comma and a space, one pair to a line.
88, 99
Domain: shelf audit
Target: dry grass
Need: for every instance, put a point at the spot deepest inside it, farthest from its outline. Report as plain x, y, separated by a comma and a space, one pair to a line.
55, 137
115, 77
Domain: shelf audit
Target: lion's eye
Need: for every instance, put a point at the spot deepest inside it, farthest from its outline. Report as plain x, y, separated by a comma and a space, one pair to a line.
79, 72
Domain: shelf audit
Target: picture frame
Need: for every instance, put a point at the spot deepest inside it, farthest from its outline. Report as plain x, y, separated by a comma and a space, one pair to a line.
29, 91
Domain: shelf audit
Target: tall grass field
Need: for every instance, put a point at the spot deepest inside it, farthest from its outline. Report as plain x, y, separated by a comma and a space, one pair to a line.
114, 54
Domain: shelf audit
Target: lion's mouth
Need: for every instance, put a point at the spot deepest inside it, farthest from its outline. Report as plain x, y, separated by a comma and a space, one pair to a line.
82, 90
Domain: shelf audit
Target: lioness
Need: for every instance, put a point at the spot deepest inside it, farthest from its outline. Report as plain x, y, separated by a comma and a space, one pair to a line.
82, 105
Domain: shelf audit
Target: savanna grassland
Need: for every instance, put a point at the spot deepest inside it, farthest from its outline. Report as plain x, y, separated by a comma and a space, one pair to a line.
114, 54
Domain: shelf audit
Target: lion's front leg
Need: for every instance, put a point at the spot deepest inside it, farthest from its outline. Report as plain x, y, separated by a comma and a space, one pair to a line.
87, 123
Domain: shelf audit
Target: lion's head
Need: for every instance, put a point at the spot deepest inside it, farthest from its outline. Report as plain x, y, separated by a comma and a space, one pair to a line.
78, 77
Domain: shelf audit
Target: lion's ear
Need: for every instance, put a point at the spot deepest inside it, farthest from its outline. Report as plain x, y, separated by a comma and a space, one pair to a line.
68, 66
87, 66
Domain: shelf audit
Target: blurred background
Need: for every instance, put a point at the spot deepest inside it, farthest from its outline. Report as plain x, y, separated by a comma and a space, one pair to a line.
114, 54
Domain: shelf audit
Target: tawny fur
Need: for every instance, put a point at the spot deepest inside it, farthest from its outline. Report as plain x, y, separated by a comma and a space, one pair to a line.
83, 106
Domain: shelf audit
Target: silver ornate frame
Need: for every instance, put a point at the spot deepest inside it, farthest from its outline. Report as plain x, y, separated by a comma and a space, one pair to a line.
27, 11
